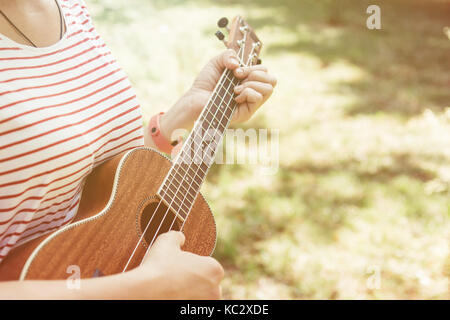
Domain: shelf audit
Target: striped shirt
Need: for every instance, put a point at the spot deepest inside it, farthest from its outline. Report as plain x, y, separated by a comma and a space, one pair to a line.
64, 109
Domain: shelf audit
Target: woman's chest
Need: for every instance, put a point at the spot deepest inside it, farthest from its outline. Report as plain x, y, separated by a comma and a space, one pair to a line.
60, 116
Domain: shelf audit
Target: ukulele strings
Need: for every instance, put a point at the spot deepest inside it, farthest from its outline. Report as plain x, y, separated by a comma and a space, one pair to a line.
249, 62
192, 180
163, 194
154, 213
228, 122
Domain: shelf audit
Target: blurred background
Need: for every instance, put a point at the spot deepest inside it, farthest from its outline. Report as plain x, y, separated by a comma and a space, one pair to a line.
360, 205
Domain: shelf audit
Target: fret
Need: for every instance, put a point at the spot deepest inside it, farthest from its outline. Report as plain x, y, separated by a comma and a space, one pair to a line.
220, 102
210, 122
233, 80
224, 92
212, 143
178, 199
223, 115
219, 126
183, 213
171, 192
209, 136
225, 85
175, 207
207, 128
191, 191
208, 161
213, 116
218, 120
195, 172
171, 175
228, 82
193, 145
198, 159
173, 199
198, 156
190, 163
190, 178
187, 156
196, 168
213, 140
187, 176
228, 78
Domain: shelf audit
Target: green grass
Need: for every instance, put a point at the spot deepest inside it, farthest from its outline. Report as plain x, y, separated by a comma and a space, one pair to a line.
364, 119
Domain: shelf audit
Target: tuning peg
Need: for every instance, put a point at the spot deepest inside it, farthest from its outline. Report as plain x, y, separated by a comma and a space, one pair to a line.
221, 37
223, 22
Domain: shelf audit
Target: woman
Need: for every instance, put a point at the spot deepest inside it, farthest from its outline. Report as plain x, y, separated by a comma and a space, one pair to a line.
65, 107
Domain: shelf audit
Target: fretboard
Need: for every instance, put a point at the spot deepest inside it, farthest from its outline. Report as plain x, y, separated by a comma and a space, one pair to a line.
182, 184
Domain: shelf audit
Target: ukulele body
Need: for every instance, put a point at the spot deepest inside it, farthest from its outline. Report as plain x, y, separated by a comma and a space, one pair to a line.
118, 200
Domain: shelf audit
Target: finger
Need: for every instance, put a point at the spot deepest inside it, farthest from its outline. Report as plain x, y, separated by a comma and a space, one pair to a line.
216, 294
220, 292
243, 72
249, 95
242, 113
261, 76
213, 268
264, 88
228, 59
171, 238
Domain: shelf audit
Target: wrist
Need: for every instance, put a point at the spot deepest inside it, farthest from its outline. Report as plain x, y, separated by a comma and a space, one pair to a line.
182, 115
159, 133
177, 117
171, 125
169, 122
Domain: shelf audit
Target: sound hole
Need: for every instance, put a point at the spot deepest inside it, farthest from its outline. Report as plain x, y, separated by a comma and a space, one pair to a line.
161, 220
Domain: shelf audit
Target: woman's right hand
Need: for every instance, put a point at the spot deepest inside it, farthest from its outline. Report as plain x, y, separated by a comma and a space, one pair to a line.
170, 273
167, 273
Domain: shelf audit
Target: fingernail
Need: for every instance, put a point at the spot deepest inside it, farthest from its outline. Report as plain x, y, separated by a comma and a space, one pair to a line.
240, 71
238, 89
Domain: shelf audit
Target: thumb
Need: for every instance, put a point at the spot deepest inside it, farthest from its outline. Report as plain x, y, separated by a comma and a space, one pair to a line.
171, 238
167, 241
228, 59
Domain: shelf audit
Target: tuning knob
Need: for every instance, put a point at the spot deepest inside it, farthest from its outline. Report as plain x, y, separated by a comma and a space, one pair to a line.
221, 37
223, 22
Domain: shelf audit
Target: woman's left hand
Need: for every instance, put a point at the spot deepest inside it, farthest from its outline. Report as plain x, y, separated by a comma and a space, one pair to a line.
256, 87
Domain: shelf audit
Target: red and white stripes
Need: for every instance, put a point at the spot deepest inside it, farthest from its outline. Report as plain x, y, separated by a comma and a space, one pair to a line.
64, 109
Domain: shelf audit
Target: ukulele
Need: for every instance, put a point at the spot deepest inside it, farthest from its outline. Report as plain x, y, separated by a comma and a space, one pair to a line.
130, 199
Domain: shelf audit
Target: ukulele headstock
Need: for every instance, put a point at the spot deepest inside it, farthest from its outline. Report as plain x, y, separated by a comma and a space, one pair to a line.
242, 39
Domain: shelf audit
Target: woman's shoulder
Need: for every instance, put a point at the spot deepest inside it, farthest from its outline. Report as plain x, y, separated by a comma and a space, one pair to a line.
75, 7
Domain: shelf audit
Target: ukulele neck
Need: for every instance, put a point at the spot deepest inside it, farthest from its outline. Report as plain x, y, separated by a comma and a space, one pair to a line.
182, 184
